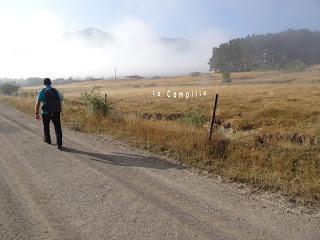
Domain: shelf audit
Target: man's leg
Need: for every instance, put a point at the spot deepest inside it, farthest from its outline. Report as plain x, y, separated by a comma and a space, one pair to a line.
57, 126
46, 128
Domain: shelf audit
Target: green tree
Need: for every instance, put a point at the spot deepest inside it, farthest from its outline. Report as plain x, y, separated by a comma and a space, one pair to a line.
292, 49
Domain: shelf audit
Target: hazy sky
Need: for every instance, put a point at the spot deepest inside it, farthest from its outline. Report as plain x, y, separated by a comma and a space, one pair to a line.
31, 28
177, 17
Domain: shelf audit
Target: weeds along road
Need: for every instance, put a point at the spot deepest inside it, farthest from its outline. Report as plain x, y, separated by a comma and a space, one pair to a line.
100, 189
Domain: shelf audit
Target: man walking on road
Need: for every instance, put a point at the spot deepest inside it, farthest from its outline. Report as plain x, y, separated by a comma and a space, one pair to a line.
50, 110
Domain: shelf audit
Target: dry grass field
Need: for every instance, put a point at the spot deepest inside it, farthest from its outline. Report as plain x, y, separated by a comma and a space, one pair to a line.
267, 132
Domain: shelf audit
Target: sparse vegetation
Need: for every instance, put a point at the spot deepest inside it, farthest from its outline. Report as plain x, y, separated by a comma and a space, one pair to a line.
194, 117
95, 102
8, 88
267, 132
226, 77
296, 66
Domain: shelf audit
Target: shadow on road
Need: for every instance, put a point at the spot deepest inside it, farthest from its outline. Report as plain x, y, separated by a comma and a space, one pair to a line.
123, 159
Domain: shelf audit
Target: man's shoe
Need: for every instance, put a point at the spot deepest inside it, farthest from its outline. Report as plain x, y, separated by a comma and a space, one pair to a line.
60, 147
45, 140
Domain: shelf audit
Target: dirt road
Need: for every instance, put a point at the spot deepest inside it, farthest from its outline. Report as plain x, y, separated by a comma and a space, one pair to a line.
99, 188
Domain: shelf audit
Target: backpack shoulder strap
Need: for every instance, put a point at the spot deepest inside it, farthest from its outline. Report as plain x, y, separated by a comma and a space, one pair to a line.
55, 92
46, 91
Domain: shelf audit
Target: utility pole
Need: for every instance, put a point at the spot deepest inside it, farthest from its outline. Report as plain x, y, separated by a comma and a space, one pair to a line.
115, 73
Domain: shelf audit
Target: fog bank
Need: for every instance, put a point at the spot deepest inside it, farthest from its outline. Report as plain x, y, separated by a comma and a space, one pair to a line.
41, 46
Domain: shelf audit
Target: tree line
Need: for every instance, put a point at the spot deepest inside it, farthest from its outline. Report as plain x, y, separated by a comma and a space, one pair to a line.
288, 49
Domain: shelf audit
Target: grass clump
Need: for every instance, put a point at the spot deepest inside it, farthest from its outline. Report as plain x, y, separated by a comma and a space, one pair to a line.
95, 103
194, 118
226, 77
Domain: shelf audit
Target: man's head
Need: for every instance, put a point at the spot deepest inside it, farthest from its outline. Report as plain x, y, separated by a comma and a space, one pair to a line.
46, 81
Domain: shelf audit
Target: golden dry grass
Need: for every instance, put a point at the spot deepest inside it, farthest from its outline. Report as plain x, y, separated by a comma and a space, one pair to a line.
267, 132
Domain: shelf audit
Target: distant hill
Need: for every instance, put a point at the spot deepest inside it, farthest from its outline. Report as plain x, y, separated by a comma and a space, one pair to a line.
94, 37
289, 49
178, 44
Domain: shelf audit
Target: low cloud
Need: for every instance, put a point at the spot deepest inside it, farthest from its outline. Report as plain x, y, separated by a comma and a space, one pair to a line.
40, 46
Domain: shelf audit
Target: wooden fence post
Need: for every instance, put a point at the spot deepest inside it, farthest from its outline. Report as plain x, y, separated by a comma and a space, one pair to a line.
105, 99
213, 117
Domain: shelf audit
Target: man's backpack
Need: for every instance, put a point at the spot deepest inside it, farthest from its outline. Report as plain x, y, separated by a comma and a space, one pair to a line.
52, 102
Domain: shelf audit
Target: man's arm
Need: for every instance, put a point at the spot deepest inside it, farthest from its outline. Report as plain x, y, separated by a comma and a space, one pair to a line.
36, 110
40, 98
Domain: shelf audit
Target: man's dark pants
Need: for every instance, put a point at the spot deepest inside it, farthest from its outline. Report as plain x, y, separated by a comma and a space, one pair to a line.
55, 118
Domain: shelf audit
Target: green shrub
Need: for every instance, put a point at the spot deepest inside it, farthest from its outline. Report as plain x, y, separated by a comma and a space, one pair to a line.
295, 66
226, 77
194, 117
95, 102
8, 88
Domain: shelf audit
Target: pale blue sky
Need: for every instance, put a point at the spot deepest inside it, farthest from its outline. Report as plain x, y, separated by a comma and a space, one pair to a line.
179, 17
